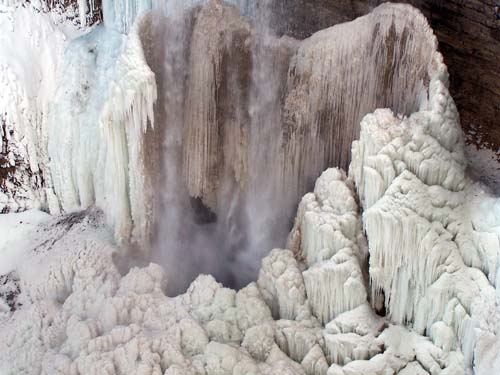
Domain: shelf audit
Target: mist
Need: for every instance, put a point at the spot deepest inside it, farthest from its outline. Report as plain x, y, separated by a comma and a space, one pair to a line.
220, 218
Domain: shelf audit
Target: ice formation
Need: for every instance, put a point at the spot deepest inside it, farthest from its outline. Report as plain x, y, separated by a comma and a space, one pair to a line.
433, 256
255, 117
392, 268
79, 315
79, 118
262, 117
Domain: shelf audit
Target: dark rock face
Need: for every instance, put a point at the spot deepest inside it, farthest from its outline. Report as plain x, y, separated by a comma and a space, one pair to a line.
10, 290
469, 35
92, 16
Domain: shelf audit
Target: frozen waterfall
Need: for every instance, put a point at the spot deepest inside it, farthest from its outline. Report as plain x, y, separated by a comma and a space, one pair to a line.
323, 179
201, 129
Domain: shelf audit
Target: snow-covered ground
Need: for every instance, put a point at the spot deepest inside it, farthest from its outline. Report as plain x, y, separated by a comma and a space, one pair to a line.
16, 233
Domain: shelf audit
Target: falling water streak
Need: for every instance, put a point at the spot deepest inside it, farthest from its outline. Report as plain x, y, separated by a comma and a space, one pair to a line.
267, 208
190, 239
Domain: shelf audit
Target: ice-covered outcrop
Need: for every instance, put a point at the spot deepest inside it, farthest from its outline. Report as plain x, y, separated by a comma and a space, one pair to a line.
433, 258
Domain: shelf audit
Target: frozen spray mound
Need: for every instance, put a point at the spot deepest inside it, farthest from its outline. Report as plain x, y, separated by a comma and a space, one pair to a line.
308, 313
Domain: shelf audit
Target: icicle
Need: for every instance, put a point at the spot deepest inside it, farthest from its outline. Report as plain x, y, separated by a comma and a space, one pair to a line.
314, 363
82, 12
335, 286
124, 121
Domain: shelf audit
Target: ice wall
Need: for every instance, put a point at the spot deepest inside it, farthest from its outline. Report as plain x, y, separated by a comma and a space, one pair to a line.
101, 111
77, 118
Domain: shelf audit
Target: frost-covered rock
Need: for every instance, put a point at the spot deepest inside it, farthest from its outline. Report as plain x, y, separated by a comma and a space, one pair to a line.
26, 36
